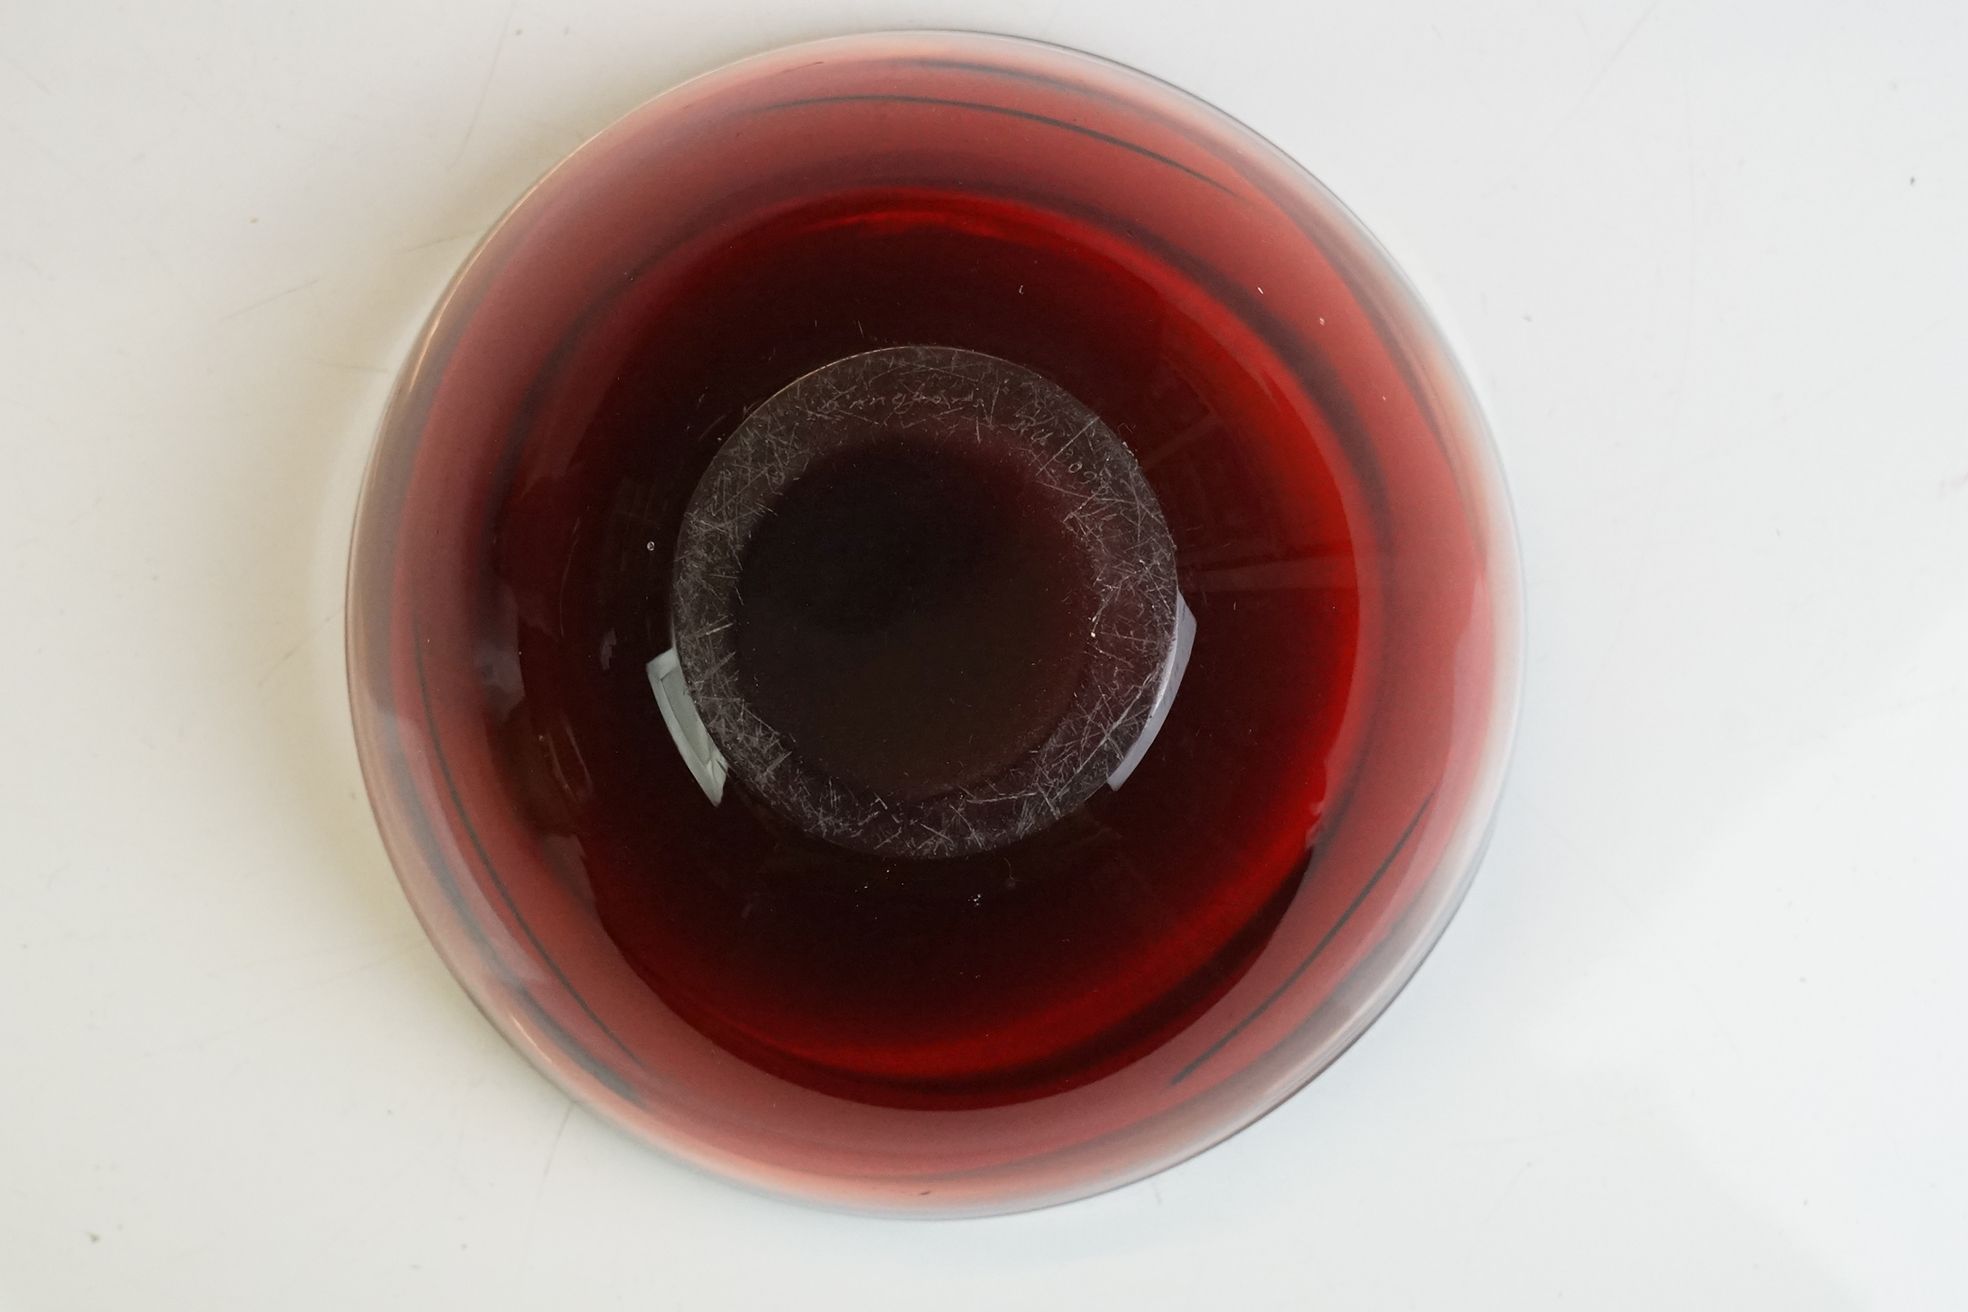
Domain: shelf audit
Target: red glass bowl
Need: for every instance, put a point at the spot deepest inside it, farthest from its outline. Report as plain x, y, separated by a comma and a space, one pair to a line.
1097, 1000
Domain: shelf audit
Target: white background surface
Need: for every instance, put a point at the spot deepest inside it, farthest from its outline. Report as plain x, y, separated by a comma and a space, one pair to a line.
1696, 1038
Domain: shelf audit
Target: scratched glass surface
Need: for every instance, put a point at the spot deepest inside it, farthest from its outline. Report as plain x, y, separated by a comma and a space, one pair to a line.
932, 626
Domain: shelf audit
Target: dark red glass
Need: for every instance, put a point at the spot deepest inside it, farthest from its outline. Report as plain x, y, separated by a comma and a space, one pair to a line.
1120, 987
